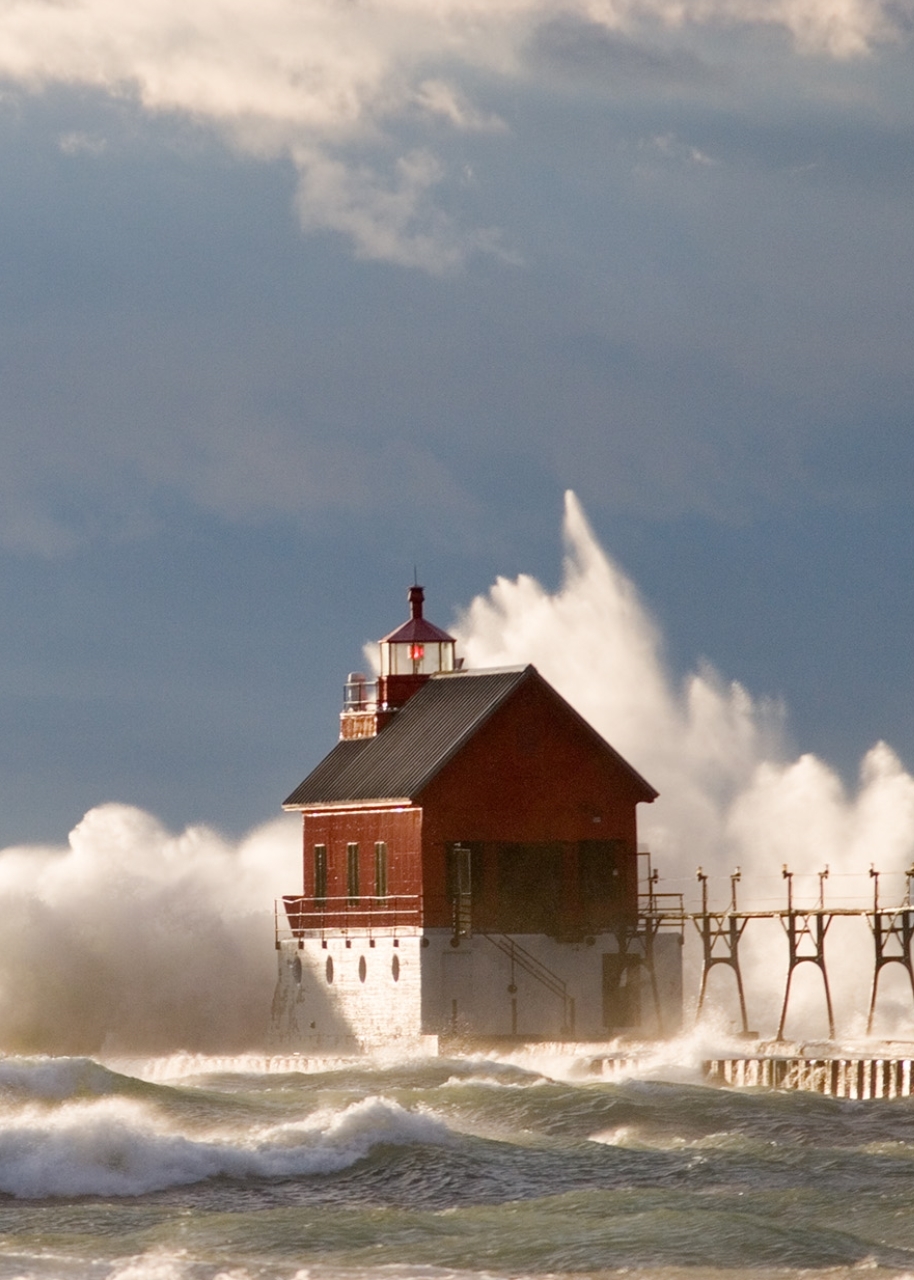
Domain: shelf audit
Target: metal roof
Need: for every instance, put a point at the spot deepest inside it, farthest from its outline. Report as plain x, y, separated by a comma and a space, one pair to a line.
324, 777
422, 737
417, 630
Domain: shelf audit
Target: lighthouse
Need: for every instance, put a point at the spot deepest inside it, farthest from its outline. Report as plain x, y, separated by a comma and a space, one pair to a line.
470, 868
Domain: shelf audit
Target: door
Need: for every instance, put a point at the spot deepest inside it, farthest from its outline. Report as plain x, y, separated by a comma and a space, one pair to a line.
621, 991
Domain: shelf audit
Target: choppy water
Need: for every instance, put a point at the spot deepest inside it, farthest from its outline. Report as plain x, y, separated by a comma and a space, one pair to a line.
440, 1169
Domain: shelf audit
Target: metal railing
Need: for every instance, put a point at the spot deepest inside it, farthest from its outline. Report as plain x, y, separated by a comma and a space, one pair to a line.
300, 916
360, 695
521, 958
666, 909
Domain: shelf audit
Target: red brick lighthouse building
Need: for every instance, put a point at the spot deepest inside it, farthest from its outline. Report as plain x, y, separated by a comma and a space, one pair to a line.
470, 867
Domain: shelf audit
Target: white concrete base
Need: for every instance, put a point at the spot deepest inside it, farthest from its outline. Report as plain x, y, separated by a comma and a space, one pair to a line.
348, 994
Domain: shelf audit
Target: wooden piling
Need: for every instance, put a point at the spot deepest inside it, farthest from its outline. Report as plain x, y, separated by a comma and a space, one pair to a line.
858, 1077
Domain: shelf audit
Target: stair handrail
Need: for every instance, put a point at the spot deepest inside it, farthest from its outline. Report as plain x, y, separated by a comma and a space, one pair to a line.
540, 972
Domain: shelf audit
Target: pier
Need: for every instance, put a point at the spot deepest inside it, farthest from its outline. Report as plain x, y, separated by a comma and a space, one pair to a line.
837, 1072
839, 1077
870, 1070
805, 928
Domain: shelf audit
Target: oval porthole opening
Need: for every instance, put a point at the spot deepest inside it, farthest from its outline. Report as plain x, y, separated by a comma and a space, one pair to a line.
363, 968
330, 968
395, 968
296, 970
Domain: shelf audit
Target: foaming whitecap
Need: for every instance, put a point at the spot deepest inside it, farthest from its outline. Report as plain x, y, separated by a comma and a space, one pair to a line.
123, 1147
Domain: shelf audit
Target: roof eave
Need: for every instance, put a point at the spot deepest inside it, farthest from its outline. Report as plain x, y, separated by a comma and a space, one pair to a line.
417, 629
335, 806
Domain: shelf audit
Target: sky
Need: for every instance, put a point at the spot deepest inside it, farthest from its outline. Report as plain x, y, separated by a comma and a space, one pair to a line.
298, 296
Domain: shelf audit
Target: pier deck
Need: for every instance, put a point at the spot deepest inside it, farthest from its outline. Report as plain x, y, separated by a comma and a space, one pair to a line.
837, 1071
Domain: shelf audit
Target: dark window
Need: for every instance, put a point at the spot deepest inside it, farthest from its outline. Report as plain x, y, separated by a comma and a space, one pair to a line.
320, 873
395, 968
328, 969
601, 882
600, 868
459, 871
460, 886
380, 869
363, 969
352, 872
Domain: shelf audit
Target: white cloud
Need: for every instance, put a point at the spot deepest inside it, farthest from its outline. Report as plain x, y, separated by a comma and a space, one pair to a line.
76, 143
395, 220
309, 78
440, 98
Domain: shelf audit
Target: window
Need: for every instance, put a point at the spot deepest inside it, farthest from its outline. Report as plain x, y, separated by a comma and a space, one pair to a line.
352, 872
320, 873
459, 887
457, 870
606, 894
380, 869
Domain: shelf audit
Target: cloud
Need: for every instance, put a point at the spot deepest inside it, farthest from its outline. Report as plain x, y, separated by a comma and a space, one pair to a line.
76, 143
393, 221
574, 47
311, 79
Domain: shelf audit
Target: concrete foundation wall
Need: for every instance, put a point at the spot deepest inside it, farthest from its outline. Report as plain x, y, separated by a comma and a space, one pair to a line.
467, 989
372, 998
350, 994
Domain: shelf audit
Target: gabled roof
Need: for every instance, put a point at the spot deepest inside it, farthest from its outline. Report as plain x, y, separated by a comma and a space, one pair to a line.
422, 737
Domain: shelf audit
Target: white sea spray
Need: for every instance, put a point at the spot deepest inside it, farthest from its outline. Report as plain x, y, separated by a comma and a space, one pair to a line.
731, 795
136, 942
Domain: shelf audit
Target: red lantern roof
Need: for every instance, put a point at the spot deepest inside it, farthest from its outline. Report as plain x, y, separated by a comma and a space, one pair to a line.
417, 630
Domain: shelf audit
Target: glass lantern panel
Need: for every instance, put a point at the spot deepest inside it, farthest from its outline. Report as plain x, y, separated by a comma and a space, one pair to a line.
423, 659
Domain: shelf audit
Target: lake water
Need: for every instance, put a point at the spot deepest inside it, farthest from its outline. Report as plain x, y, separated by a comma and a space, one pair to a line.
441, 1168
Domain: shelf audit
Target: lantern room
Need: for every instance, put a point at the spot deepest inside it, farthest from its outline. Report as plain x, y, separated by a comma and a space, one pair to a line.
407, 658
417, 648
